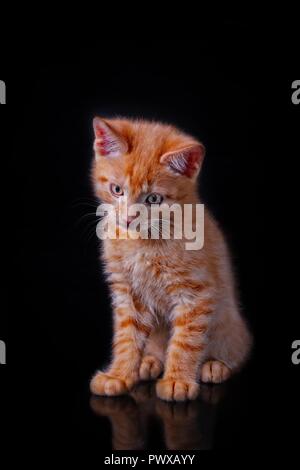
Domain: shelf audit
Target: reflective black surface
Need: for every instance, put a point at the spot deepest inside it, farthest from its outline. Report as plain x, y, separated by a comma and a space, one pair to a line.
178, 426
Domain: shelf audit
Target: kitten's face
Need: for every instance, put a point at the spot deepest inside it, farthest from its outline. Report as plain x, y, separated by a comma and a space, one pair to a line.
144, 163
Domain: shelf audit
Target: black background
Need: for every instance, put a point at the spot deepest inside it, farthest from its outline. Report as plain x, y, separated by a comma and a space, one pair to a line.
56, 302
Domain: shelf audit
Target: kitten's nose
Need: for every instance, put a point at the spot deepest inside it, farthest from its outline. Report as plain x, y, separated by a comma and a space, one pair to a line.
130, 218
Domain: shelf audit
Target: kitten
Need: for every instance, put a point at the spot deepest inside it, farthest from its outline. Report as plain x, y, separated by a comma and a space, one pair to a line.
175, 310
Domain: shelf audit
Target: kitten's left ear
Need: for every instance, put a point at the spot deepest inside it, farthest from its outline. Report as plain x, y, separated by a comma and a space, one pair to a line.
108, 143
186, 162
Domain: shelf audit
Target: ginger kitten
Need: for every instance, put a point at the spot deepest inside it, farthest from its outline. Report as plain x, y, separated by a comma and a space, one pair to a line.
175, 310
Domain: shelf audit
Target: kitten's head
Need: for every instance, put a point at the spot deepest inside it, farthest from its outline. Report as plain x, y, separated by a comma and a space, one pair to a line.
144, 162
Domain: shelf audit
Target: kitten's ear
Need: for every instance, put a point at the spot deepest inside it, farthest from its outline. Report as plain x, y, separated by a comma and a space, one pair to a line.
186, 162
108, 143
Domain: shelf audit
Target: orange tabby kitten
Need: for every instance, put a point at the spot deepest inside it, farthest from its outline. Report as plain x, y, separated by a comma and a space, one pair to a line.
175, 310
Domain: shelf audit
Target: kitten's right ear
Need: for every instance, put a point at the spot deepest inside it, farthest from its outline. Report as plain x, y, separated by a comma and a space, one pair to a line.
186, 162
108, 143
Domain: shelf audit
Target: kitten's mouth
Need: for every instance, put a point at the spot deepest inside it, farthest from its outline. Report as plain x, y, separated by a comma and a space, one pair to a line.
147, 229
142, 231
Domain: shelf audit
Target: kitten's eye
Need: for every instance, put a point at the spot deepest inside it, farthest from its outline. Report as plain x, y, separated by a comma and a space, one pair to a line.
116, 190
154, 198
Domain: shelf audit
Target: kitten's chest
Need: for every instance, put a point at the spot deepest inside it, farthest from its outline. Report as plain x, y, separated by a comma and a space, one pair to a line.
150, 275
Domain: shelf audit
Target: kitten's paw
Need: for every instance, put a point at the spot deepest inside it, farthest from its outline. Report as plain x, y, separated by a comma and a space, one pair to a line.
214, 372
177, 390
105, 384
150, 368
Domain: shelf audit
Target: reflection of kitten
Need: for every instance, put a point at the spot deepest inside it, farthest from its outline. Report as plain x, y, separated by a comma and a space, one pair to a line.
172, 306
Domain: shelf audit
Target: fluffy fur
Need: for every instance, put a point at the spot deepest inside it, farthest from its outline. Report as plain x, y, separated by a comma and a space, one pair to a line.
175, 310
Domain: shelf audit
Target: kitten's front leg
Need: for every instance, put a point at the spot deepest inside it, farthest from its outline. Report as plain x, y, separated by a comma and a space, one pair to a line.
185, 352
130, 333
